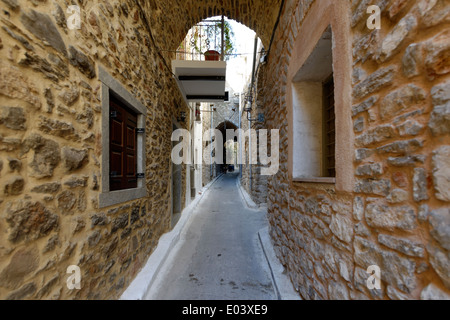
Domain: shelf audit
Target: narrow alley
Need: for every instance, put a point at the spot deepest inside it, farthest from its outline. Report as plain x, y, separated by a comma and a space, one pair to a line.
119, 117
219, 255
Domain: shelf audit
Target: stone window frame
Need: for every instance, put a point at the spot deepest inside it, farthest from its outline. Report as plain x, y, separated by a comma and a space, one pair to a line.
336, 15
110, 86
309, 113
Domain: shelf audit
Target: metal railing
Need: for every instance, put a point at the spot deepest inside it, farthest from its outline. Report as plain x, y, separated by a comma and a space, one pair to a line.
205, 36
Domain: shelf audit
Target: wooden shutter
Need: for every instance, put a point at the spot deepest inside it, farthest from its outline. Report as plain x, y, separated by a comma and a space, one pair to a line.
329, 125
123, 147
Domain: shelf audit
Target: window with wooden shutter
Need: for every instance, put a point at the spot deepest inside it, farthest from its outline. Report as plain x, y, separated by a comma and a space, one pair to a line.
123, 147
329, 125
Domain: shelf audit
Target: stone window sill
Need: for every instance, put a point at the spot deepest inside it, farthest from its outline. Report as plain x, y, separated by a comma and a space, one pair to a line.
117, 197
316, 180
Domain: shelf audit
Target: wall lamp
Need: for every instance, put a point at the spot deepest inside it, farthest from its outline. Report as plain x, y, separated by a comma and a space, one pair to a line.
182, 117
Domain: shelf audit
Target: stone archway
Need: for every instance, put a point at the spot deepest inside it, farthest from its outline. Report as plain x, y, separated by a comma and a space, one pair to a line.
227, 125
173, 20
223, 127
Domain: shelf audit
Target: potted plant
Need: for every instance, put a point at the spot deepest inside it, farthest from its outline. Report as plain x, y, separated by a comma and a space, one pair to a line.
212, 55
208, 34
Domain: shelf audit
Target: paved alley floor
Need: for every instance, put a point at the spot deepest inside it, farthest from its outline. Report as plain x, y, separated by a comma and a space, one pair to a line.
219, 256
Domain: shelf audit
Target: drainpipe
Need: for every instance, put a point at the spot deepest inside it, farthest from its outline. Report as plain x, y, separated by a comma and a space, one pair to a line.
211, 146
223, 39
250, 155
249, 113
225, 153
240, 136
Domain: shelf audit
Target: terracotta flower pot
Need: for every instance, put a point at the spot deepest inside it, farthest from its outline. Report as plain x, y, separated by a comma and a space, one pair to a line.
212, 55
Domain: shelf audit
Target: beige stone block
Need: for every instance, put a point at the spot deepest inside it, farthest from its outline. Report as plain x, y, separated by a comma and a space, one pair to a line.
441, 173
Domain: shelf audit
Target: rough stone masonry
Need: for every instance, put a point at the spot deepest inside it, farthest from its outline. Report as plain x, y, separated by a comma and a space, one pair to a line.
395, 216
51, 132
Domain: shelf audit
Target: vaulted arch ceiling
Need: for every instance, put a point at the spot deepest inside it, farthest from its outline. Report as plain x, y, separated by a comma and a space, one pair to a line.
172, 19
227, 125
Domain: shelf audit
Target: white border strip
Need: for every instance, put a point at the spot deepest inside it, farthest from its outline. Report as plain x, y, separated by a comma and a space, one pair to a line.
140, 286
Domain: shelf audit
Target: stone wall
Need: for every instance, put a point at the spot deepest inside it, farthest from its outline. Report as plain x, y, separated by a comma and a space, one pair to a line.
223, 112
252, 181
207, 172
50, 148
397, 215
245, 178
